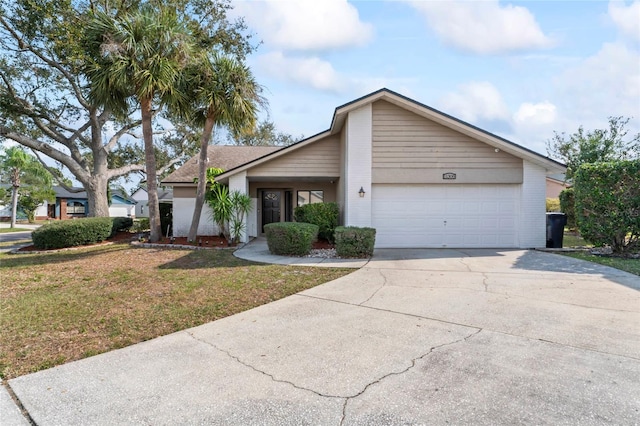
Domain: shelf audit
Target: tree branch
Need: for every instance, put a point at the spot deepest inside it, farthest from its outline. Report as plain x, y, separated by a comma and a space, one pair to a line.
121, 171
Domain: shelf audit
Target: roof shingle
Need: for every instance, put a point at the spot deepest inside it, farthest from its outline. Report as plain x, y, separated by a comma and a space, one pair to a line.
225, 157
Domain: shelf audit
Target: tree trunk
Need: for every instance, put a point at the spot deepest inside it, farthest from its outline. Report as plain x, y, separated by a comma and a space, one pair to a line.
97, 196
14, 205
203, 164
150, 162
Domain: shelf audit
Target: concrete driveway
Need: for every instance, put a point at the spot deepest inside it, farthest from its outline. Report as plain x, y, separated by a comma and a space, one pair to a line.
415, 337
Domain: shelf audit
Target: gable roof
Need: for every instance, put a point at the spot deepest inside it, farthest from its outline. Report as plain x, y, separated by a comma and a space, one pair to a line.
225, 157
340, 116
82, 194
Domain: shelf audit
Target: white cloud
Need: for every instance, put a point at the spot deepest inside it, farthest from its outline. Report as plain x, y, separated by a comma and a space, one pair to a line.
483, 27
626, 18
305, 24
474, 102
607, 83
534, 115
307, 71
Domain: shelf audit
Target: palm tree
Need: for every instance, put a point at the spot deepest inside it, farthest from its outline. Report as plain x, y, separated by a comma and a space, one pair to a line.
17, 165
139, 56
225, 93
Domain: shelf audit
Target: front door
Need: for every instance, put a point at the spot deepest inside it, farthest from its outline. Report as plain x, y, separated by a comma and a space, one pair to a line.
270, 207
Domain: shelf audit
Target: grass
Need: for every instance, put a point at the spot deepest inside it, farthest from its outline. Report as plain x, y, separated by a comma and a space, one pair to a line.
572, 239
8, 230
624, 264
60, 307
13, 243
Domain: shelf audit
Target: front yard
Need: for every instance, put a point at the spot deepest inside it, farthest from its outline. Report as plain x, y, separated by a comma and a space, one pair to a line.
60, 307
625, 264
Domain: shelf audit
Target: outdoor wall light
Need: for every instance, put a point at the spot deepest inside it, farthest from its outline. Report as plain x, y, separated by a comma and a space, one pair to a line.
361, 192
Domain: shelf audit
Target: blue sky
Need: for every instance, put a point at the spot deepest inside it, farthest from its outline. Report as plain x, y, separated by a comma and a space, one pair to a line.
518, 69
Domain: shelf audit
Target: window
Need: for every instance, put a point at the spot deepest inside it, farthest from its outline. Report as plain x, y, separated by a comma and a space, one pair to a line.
75, 207
310, 197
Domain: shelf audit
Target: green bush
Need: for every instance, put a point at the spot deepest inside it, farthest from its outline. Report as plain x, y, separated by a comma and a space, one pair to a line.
120, 224
325, 215
141, 224
69, 233
553, 205
290, 238
568, 206
607, 204
352, 241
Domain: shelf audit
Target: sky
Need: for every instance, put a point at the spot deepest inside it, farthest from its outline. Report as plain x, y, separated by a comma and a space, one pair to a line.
521, 70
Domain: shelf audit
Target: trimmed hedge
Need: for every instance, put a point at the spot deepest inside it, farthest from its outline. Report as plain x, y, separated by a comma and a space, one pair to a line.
290, 238
568, 206
553, 205
355, 242
70, 233
607, 204
325, 215
121, 224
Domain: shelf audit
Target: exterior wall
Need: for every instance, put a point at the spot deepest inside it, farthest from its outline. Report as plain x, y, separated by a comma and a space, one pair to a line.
184, 201
340, 190
358, 159
319, 159
238, 182
122, 210
532, 207
554, 188
408, 148
255, 194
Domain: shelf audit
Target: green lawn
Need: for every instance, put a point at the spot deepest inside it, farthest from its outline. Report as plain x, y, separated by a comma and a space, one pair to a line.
59, 307
628, 265
8, 230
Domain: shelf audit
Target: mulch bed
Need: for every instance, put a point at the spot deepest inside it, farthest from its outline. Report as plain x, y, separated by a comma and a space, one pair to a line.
204, 241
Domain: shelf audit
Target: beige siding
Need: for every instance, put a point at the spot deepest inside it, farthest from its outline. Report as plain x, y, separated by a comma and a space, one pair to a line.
319, 159
184, 191
408, 148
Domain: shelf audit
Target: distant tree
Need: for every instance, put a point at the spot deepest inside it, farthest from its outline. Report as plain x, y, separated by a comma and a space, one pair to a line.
33, 196
600, 145
264, 134
19, 168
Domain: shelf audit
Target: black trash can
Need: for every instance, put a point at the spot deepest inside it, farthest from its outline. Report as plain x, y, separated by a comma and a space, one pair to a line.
555, 229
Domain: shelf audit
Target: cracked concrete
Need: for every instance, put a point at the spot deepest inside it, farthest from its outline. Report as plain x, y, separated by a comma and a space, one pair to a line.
415, 337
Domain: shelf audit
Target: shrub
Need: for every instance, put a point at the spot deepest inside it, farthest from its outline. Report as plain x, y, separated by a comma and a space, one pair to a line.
71, 233
353, 242
568, 207
290, 238
325, 215
140, 225
120, 224
607, 204
553, 205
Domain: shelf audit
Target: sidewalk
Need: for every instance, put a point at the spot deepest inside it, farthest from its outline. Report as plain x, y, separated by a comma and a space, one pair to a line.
257, 250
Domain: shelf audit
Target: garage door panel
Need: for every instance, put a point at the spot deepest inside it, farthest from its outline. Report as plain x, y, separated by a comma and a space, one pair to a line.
445, 215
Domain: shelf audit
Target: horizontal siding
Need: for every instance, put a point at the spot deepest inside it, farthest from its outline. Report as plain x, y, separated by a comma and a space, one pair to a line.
320, 158
403, 141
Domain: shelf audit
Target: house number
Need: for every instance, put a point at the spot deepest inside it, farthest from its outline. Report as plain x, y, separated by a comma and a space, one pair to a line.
449, 176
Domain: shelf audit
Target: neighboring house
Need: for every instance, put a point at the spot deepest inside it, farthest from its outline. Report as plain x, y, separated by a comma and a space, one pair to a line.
422, 178
71, 204
555, 185
141, 198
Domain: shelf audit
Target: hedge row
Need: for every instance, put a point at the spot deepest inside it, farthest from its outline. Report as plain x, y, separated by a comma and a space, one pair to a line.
290, 238
354, 242
70, 233
607, 204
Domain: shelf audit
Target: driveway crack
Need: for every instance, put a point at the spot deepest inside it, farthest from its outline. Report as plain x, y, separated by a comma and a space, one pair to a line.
384, 283
264, 373
414, 361
485, 278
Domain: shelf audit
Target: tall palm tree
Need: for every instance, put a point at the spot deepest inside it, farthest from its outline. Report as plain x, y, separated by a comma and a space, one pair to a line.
139, 56
17, 165
225, 93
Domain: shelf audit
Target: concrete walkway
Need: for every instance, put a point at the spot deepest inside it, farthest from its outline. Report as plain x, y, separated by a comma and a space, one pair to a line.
258, 251
484, 337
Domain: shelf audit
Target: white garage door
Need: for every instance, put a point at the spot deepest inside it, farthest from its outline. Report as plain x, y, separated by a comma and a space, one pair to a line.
454, 216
